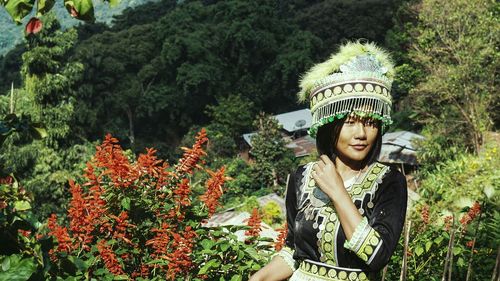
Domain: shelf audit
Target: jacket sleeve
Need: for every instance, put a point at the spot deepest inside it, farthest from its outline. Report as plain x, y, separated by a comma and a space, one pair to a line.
375, 238
291, 211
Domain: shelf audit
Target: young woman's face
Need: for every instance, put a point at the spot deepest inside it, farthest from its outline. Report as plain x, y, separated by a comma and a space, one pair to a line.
356, 139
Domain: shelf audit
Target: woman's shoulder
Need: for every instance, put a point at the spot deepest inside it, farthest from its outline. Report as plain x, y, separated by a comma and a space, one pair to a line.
393, 179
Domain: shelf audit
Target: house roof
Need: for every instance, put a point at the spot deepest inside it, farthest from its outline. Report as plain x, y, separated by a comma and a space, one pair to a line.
398, 147
295, 120
302, 146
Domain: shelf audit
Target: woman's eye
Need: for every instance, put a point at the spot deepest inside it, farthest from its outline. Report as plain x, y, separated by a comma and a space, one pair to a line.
370, 123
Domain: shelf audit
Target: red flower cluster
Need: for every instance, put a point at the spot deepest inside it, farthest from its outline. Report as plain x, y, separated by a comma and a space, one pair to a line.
180, 258
7, 180
25, 233
160, 242
121, 226
424, 213
109, 258
280, 241
116, 165
448, 221
473, 212
64, 242
470, 243
97, 211
192, 156
213, 190
254, 222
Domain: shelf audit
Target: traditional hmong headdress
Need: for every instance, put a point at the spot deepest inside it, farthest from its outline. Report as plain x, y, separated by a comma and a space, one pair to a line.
356, 79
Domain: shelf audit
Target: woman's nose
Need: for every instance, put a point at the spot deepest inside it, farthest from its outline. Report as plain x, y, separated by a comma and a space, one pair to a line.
360, 130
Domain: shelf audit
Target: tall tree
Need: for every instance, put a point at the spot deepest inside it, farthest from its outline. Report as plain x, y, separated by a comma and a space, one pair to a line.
459, 55
48, 98
273, 160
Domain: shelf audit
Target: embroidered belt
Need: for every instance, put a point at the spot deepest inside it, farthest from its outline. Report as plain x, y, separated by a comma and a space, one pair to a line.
311, 270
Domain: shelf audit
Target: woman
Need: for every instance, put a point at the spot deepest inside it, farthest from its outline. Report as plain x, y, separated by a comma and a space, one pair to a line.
346, 211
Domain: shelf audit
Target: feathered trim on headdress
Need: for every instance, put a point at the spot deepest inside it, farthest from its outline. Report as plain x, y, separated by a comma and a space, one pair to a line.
356, 79
346, 53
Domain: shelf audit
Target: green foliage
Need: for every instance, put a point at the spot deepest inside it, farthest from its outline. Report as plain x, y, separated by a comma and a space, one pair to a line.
222, 255
273, 161
22, 254
46, 165
335, 21
271, 214
143, 219
459, 88
235, 113
79, 9
16, 268
450, 191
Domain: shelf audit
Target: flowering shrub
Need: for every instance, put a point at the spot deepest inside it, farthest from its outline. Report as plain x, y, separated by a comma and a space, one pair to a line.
454, 227
141, 220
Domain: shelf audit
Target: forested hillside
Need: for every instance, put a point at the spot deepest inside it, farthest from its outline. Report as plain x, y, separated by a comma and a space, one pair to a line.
97, 106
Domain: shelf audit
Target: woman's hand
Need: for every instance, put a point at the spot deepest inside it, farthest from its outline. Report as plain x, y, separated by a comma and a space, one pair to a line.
327, 177
329, 180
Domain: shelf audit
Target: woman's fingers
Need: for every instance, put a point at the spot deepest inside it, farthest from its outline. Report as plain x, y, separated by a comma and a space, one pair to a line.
326, 160
320, 164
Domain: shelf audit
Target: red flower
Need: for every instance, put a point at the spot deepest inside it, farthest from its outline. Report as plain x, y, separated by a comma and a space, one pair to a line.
182, 192
161, 240
214, 190
180, 258
109, 155
424, 213
64, 242
33, 26
470, 244
193, 155
109, 258
448, 220
473, 212
280, 241
255, 223
121, 226
25, 233
7, 180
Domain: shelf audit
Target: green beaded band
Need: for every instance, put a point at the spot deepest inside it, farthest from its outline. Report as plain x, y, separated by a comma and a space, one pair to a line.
386, 122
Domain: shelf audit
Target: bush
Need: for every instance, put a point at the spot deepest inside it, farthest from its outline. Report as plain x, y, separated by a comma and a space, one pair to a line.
142, 220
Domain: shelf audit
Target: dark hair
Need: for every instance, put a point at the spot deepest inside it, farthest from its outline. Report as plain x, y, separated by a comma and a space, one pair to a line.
328, 136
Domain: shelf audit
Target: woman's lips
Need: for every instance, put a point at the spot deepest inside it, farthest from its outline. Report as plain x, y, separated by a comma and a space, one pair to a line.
359, 146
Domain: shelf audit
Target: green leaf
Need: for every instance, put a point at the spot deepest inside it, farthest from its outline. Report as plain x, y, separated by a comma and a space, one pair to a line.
208, 265
207, 244
22, 205
419, 250
224, 247
253, 253
6, 264
126, 203
19, 271
80, 9
457, 251
80, 264
18, 9
114, 3
43, 7
438, 240
428, 246
39, 132
236, 278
